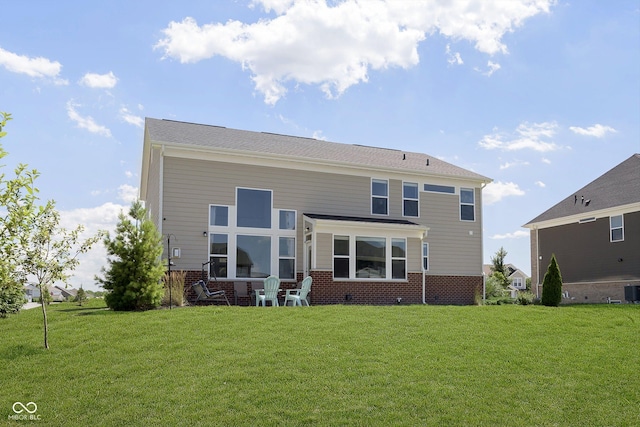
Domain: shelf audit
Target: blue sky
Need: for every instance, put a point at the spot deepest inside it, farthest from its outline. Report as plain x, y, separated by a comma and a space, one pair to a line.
542, 96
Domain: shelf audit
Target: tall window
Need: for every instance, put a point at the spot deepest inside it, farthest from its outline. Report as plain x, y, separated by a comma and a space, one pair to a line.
616, 225
287, 258
410, 199
253, 256
218, 254
467, 204
425, 256
398, 259
253, 208
379, 197
341, 256
371, 258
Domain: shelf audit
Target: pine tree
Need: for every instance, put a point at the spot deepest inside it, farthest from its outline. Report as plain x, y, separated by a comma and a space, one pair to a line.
81, 296
552, 285
134, 274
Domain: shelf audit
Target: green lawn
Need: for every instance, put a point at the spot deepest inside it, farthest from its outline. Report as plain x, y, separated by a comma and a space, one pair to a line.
331, 365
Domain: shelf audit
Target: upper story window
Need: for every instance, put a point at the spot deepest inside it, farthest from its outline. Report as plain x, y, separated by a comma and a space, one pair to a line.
616, 225
517, 283
287, 220
219, 215
379, 196
253, 208
410, 199
467, 204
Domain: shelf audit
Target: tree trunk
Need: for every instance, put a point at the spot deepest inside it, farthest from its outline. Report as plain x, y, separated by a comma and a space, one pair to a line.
46, 326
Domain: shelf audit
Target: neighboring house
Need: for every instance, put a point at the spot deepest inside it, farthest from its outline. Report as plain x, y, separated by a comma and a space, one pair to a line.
67, 294
518, 277
595, 236
368, 224
33, 293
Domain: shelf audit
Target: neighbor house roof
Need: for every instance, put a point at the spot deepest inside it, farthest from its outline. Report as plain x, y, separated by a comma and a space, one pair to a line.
618, 187
217, 138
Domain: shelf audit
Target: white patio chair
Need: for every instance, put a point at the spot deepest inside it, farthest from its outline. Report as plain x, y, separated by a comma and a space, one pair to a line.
299, 296
269, 293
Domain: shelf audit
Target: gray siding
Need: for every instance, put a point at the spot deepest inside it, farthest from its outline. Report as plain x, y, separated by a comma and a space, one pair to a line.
584, 251
153, 192
191, 185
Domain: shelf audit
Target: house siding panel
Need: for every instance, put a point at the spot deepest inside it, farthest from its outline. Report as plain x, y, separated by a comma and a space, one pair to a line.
585, 254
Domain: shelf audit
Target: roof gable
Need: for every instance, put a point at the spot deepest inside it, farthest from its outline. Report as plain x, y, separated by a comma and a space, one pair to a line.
618, 187
216, 138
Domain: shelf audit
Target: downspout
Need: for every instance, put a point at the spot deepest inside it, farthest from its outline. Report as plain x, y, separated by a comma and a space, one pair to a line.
537, 263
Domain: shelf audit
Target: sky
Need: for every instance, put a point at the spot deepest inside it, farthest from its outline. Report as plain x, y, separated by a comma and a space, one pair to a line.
542, 96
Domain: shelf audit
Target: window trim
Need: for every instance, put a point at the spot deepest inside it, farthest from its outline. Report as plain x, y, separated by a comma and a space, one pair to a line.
396, 258
334, 256
271, 210
473, 204
283, 257
352, 257
416, 199
375, 196
425, 255
611, 228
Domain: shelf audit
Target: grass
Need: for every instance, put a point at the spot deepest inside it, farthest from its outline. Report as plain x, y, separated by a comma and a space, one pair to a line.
326, 366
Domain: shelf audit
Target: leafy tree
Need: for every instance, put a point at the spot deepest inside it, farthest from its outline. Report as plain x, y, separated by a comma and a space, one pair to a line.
81, 296
498, 261
135, 270
52, 252
17, 195
552, 285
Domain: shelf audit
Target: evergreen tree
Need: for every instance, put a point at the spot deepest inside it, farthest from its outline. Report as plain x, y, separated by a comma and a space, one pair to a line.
133, 278
552, 285
81, 296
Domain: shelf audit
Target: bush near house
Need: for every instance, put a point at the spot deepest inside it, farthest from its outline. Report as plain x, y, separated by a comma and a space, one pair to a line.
552, 285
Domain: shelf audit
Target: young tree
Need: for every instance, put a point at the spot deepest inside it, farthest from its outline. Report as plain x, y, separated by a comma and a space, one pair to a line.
498, 261
81, 296
52, 253
17, 195
135, 270
552, 285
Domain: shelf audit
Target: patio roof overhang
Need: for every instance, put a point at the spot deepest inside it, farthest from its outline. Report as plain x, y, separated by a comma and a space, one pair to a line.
321, 223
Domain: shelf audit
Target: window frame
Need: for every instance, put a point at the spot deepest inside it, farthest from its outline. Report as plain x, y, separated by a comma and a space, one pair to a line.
237, 210
352, 256
472, 204
381, 197
335, 256
425, 256
286, 257
214, 256
399, 258
411, 199
612, 228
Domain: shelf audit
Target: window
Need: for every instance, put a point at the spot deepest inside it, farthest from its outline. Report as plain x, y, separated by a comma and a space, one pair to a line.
371, 258
287, 220
410, 199
379, 197
398, 259
253, 256
517, 283
253, 208
440, 188
218, 215
218, 254
287, 258
341, 256
425, 256
467, 204
616, 224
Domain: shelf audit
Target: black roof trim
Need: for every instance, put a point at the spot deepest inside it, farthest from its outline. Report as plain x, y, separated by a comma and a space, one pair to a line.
359, 219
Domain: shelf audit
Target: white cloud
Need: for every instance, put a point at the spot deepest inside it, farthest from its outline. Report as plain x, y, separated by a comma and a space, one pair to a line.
597, 130
128, 174
347, 38
37, 67
492, 68
132, 119
508, 165
527, 136
515, 235
496, 191
99, 81
540, 184
453, 58
87, 122
127, 193
104, 217
546, 161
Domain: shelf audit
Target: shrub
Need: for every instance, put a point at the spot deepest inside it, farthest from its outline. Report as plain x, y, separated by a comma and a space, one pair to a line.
552, 285
175, 283
12, 299
525, 298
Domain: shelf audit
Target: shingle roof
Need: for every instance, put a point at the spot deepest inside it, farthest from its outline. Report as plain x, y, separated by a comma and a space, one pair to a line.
618, 187
269, 144
360, 219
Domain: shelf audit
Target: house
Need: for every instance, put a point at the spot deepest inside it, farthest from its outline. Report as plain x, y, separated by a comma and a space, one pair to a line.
32, 293
595, 236
67, 293
370, 225
518, 277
